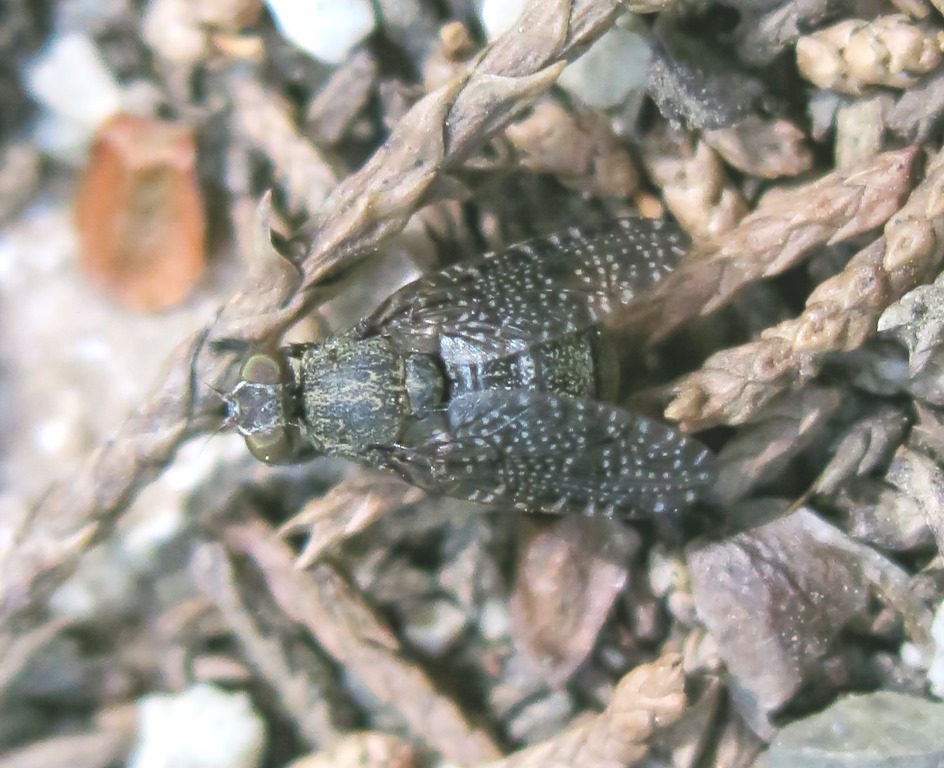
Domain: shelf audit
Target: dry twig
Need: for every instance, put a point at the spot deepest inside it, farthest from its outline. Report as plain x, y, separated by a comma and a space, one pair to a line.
265, 121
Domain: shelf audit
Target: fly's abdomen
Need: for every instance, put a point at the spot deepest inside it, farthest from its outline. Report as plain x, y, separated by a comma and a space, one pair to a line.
565, 366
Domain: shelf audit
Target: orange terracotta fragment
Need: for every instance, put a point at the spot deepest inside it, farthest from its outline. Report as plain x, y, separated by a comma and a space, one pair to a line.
139, 213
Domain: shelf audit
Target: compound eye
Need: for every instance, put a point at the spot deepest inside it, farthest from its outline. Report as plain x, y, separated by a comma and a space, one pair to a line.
274, 446
261, 368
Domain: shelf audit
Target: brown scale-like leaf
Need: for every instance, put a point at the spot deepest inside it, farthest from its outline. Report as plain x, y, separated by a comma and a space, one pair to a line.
694, 184
767, 596
841, 313
348, 508
647, 700
855, 53
866, 444
784, 227
784, 429
579, 148
763, 147
917, 319
919, 477
569, 573
361, 750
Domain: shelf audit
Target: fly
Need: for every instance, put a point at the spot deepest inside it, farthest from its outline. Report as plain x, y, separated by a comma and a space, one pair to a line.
488, 381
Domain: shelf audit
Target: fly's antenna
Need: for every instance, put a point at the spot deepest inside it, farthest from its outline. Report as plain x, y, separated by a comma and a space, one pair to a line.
227, 398
226, 424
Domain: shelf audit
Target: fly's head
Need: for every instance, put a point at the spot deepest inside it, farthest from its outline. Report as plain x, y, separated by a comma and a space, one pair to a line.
260, 407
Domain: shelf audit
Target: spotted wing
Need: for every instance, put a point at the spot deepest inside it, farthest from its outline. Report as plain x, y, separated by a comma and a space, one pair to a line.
550, 453
532, 292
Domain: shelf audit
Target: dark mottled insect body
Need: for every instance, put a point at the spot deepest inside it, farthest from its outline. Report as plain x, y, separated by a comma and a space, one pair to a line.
487, 381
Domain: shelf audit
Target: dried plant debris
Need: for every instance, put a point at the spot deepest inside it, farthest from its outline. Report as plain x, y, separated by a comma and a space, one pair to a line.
917, 476
579, 148
917, 320
780, 432
766, 148
341, 98
784, 227
841, 313
183, 33
889, 50
695, 185
361, 750
860, 130
647, 700
139, 212
696, 84
342, 623
369, 205
305, 686
348, 508
305, 176
916, 116
767, 28
569, 574
766, 596
353, 620
867, 444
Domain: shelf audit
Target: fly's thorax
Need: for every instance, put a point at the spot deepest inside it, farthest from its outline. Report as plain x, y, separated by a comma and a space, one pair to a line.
354, 394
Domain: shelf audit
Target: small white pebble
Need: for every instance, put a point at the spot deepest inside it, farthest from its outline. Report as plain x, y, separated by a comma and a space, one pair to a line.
439, 625
613, 66
936, 671
70, 79
100, 586
326, 29
494, 622
498, 16
202, 727
52, 436
171, 29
